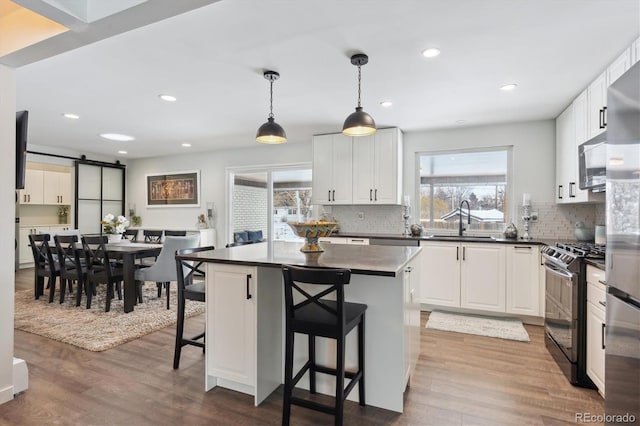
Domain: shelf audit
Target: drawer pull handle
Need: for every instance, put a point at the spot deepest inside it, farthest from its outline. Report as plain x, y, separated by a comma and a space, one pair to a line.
248, 291
602, 336
602, 282
602, 303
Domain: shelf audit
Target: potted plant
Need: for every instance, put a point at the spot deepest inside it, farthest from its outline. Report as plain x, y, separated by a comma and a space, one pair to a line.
114, 226
137, 220
63, 212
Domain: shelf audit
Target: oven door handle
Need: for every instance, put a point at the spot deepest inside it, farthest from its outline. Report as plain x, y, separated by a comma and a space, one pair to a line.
554, 270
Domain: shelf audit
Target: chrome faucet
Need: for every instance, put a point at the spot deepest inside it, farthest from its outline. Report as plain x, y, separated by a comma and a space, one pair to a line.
461, 229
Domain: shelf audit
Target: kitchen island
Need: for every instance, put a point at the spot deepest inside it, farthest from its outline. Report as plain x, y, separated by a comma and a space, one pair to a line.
245, 314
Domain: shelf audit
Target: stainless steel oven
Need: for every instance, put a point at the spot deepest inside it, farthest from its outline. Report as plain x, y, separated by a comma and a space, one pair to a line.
565, 309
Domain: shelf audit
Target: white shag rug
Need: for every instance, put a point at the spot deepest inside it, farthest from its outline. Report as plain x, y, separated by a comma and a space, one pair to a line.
503, 328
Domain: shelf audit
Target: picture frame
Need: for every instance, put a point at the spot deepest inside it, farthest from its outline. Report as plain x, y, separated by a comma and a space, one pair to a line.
174, 189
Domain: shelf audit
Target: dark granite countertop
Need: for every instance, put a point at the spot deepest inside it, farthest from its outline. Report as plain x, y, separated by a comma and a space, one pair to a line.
361, 259
443, 237
598, 263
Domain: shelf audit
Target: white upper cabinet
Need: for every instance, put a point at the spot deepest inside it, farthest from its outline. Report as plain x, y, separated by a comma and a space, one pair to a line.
635, 51
377, 168
619, 66
358, 170
597, 101
57, 188
33, 187
565, 165
332, 169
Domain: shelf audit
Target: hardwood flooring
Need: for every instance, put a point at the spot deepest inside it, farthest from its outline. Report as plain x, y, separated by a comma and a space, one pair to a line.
459, 380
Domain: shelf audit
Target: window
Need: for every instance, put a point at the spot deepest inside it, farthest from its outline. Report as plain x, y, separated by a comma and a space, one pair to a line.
448, 178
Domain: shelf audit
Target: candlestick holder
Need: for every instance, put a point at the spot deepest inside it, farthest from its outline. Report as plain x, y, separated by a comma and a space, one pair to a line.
406, 215
526, 217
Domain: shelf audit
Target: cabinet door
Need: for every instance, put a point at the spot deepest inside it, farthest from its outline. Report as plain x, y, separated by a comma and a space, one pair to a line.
33, 187
635, 52
411, 281
363, 169
580, 119
619, 66
565, 136
387, 171
64, 188
53, 182
231, 323
342, 170
523, 283
322, 182
25, 255
482, 281
595, 345
440, 280
597, 100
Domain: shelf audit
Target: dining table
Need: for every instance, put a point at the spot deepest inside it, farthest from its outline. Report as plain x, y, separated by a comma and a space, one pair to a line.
128, 252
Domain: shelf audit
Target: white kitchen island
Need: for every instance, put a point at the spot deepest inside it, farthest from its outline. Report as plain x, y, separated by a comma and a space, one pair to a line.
245, 314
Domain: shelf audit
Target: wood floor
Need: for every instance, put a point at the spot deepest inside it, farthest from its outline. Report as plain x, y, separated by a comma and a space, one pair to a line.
460, 380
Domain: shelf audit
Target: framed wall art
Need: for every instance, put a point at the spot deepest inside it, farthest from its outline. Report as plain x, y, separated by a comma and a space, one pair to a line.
175, 189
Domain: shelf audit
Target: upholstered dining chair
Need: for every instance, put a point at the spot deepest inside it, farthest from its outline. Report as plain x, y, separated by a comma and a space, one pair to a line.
101, 270
71, 264
164, 269
45, 266
191, 286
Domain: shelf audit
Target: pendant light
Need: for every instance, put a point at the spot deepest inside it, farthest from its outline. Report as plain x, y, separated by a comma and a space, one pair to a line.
271, 132
359, 123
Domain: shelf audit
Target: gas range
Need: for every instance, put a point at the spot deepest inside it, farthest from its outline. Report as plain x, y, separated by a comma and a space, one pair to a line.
569, 255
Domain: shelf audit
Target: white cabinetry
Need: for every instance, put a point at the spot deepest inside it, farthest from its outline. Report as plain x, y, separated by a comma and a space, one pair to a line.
231, 323
523, 281
596, 314
441, 274
344, 240
635, 52
57, 188
33, 187
377, 168
332, 180
411, 282
25, 255
482, 277
619, 66
597, 102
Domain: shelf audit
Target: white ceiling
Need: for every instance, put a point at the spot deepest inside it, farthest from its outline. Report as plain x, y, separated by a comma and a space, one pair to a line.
212, 60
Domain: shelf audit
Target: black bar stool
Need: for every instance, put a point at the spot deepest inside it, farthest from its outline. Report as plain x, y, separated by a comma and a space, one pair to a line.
314, 316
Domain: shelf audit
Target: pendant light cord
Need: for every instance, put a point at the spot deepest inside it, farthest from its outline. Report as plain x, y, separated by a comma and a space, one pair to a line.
359, 79
271, 98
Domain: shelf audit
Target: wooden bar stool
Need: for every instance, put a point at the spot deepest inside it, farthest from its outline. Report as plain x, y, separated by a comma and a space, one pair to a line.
314, 316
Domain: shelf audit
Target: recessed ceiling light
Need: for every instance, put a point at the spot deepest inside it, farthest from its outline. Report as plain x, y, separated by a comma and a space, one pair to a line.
117, 137
70, 116
508, 87
431, 52
186, 145
122, 152
386, 104
460, 121
168, 98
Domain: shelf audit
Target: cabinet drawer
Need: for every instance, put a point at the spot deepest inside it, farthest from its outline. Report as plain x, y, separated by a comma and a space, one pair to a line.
597, 295
361, 241
595, 275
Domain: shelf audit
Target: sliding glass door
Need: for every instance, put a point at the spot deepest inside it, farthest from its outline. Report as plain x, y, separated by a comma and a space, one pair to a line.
262, 201
99, 190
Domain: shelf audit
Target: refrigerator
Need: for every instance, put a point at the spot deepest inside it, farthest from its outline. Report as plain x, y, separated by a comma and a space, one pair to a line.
622, 338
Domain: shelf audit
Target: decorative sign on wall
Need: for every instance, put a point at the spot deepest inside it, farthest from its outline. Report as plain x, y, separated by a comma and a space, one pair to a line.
176, 189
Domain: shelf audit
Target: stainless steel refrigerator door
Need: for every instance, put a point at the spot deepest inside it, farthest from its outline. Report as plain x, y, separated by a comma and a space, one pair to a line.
622, 360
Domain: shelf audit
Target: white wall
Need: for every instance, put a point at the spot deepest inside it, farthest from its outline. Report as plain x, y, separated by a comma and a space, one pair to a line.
7, 229
533, 160
212, 166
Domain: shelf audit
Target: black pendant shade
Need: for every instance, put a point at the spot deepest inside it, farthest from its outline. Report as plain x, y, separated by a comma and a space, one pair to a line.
359, 123
271, 132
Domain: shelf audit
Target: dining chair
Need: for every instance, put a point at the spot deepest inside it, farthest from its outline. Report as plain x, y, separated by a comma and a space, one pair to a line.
152, 236
171, 233
307, 312
100, 269
45, 266
191, 286
164, 268
130, 234
72, 265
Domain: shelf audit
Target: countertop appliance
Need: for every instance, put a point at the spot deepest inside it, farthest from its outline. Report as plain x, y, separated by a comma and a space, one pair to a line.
622, 338
566, 306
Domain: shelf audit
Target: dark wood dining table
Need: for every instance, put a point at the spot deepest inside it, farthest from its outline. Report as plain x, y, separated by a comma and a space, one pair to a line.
128, 253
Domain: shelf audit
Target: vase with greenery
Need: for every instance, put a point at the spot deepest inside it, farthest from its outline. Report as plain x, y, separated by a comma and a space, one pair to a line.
63, 212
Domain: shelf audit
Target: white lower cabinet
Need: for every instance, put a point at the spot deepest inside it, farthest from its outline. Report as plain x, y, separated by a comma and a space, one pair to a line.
231, 323
596, 324
344, 240
523, 280
25, 254
481, 277
411, 283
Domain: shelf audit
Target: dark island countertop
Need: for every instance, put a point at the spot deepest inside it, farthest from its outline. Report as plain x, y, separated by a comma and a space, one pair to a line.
360, 259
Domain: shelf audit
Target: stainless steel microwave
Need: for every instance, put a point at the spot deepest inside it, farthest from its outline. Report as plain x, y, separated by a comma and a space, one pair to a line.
592, 163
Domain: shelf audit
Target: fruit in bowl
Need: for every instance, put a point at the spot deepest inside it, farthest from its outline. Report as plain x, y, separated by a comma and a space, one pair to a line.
311, 231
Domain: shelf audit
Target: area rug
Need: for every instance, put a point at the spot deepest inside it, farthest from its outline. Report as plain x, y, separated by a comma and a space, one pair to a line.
503, 328
94, 329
